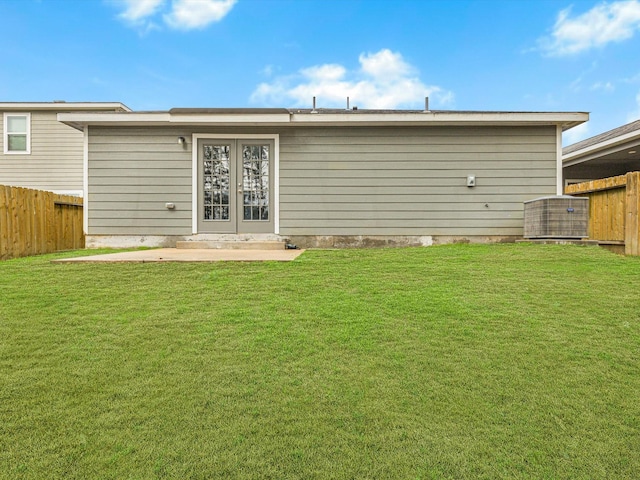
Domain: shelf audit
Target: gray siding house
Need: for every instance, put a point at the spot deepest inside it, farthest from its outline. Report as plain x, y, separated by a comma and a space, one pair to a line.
316, 177
37, 151
608, 154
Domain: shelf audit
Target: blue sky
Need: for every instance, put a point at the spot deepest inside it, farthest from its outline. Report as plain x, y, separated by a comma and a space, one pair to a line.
513, 55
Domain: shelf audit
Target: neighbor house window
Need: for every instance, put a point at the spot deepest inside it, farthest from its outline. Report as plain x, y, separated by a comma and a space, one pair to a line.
17, 133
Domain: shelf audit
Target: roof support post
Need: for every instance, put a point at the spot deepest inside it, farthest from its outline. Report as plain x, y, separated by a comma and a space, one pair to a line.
559, 176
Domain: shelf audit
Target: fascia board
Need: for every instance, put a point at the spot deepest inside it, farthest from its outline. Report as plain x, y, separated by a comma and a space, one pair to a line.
602, 148
165, 118
226, 119
64, 106
429, 118
77, 120
310, 119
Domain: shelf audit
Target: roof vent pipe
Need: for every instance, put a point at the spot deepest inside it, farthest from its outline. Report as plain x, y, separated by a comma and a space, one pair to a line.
347, 103
426, 104
314, 106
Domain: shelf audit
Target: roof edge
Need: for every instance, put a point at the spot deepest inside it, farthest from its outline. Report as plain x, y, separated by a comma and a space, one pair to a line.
618, 132
278, 116
228, 111
64, 106
590, 149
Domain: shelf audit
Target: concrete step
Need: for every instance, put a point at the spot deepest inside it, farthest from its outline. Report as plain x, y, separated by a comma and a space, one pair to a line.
232, 245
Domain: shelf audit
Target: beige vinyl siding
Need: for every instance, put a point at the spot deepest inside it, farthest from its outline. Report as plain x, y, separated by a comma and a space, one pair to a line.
412, 181
56, 158
133, 173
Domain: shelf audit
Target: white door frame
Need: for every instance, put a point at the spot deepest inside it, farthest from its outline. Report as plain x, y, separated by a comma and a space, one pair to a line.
195, 183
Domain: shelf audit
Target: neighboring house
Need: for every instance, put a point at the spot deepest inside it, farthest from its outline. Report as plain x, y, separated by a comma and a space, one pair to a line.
37, 151
316, 177
611, 153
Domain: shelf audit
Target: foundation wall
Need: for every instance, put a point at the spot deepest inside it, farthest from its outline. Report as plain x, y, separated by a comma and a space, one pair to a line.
301, 241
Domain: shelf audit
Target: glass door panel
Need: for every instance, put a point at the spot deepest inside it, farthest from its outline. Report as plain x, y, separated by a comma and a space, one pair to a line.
216, 182
255, 182
256, 165
246, 210
216, 209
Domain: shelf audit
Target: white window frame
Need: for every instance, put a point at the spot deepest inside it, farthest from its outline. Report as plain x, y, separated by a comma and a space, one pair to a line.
5, 133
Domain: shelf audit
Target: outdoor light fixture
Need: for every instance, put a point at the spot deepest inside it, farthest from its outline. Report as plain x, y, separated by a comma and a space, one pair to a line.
181, 140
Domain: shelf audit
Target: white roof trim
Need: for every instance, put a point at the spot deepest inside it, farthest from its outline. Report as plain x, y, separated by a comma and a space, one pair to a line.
63, 106
564, 119
230, 118
568, 119
79, 120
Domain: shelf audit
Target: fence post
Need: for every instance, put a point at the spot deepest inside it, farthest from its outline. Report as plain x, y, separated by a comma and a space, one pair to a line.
632, 224
4, 223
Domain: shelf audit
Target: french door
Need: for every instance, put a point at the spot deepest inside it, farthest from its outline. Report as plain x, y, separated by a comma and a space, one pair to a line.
235, 191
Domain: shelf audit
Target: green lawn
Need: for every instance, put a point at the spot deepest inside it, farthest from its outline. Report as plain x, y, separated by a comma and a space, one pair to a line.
462, 361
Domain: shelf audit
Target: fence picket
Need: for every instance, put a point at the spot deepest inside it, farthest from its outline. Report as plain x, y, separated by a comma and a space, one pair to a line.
632, 245
614, 209
34, 222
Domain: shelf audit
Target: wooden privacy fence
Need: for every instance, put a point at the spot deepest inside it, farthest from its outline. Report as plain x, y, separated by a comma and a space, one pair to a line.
614, 209
33, 222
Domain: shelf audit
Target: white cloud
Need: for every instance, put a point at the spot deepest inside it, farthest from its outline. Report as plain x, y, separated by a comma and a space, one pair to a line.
267, 71
603, 86
384, 80
603, 24
385, 65
180, 14
575, 134
191, 14
576, 85
633, 79
136, 10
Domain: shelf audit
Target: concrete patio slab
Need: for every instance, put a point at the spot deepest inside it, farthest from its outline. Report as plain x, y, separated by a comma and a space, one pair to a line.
189, 255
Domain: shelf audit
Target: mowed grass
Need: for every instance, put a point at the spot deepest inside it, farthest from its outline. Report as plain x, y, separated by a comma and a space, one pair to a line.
463, 361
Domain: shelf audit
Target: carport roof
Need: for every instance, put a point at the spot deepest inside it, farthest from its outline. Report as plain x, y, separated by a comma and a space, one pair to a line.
611, 146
